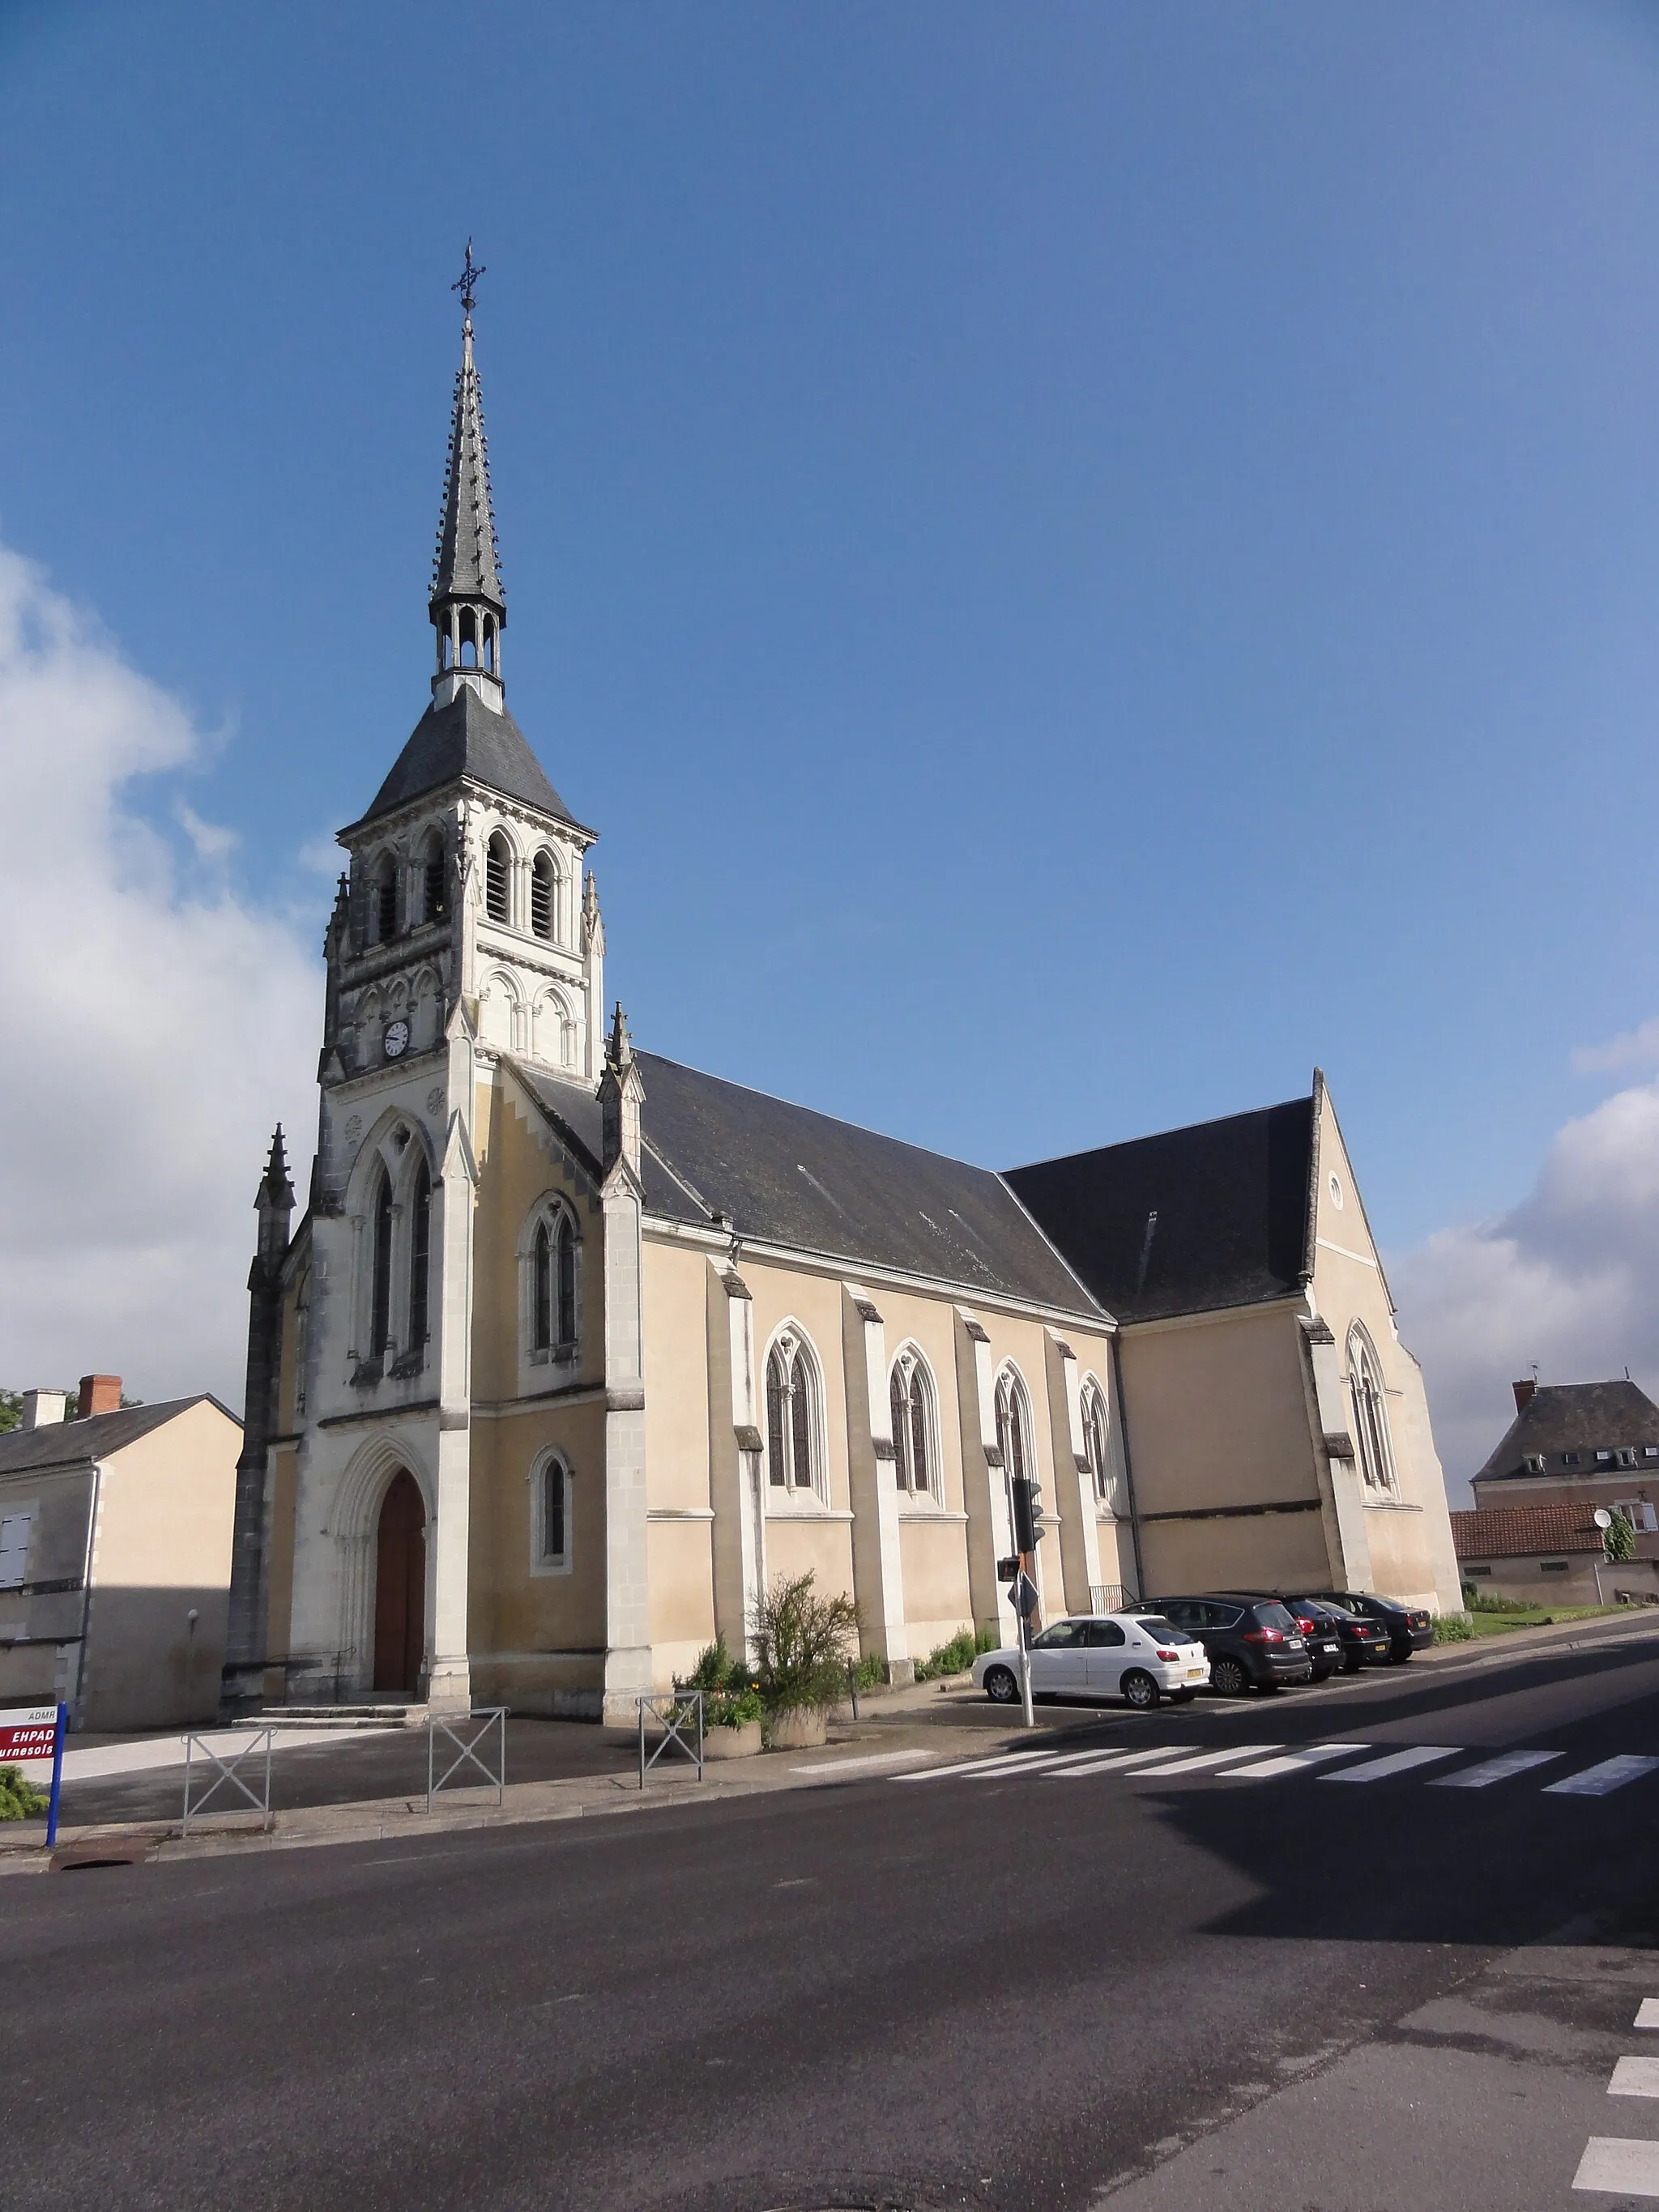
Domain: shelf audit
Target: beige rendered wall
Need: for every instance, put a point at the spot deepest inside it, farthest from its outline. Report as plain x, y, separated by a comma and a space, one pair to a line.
1407, 1532
1216, 1410
680, 1511
161, 1549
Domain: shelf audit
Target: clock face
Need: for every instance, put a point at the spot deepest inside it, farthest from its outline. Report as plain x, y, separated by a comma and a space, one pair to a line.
396, 1039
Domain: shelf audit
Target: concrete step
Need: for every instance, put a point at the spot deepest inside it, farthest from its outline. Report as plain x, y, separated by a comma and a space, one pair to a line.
340, 1717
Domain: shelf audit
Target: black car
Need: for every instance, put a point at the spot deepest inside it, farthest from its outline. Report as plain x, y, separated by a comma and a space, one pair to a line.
1409, 1628
1250, 1641
1321, 1628
1360, 1641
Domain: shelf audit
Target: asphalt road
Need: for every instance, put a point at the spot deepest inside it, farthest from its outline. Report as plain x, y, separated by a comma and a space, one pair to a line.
1029, 1988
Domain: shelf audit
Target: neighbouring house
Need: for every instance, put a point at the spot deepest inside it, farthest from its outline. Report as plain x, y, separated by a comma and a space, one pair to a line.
1551, 1554
575, 1350
115, 1534
1580, 1444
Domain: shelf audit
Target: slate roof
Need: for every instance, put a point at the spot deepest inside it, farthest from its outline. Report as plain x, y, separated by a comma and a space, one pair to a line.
1231, 1202
71, 1443
465, 737
784, 1175
466, 565
1509, 1532
1581, 1417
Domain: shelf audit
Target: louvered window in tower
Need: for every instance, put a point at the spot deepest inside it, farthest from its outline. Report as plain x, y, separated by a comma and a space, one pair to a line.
385, 901
420, 1256
543, 884
498, 862
380, 1320
434, 890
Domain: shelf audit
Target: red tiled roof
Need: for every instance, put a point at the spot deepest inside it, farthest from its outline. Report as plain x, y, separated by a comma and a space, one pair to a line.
1507, 1532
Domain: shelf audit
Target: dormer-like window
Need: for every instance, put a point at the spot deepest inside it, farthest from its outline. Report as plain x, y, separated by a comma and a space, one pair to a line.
498, 865
543, 884
1570, 1459
1533, 1462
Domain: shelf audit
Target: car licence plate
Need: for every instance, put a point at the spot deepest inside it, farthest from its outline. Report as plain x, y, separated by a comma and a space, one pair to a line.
1194, 1673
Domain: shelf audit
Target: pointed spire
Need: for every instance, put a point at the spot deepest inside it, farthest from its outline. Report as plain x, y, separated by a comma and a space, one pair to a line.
619, 1050
467, 605
275, 1190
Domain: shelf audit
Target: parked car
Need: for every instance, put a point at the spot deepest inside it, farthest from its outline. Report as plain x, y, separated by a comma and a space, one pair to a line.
1136, 1656
1250, 1641
1320, 1631
1409, 1628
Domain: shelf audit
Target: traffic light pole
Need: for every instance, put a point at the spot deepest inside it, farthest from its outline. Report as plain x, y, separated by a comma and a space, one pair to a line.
1025, 1660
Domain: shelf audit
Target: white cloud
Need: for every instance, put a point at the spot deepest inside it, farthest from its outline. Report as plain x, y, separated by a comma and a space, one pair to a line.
156, 1031
1567, 1279
212, 840
1637, 1048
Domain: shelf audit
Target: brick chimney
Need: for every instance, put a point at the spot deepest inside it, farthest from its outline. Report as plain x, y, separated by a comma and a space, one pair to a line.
1524, 1392
99, 1394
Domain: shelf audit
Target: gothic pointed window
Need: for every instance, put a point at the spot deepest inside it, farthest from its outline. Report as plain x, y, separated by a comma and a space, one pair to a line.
1095, 1434
498, 870
1013, 1424
379, 1318
420, 1258
565, 1270
1371, 1413
910, 1409
385, 900
792, 1423
433, 888
541, 1327
543, 885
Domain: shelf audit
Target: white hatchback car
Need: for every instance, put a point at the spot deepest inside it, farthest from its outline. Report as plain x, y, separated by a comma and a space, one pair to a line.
1136, 1656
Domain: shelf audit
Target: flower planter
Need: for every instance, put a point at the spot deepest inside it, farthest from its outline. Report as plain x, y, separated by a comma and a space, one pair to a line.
733, 1742
801, 1728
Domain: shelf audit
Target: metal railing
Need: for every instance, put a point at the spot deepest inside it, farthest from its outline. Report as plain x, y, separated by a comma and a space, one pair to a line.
491, 1720
226, 1769
1111, 1597
673, 1711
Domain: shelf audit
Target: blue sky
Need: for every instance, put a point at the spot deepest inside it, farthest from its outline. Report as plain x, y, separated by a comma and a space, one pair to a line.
1081, 558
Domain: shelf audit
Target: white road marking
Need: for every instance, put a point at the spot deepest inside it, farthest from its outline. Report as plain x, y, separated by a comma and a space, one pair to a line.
1293, 1762
1206, 1759
1647, 2013
1009, 1763
1620, 2167
870, 1758
1597, 1781
1107, 1762
1396, 1762
1635, 2077
1493, 1770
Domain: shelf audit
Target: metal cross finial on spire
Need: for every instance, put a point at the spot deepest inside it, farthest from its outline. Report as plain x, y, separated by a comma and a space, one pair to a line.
468, 277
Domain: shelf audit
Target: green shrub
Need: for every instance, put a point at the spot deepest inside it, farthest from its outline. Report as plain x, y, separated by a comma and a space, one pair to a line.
1619, 1540
19, 1798
1453, 1628
955, 1657
802, 1645
729, 1699
871, 1672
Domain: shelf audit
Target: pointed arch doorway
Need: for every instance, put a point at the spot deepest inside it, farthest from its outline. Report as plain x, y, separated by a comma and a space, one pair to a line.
400, 1586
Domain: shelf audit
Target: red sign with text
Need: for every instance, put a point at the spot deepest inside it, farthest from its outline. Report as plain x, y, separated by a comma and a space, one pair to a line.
29, 1732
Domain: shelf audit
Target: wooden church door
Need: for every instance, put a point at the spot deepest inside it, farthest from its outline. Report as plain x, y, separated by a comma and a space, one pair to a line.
400, 1587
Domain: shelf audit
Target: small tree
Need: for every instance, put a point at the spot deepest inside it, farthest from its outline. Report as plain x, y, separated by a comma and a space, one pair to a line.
802, 1644
1619, 1540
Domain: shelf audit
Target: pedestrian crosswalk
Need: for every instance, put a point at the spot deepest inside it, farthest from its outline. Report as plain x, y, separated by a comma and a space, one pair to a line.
1265, 1762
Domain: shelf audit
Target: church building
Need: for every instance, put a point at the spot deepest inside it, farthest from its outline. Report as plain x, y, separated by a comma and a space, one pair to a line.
575, 1351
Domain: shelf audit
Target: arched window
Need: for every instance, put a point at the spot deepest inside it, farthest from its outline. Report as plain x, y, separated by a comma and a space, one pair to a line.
434, 891
1096, 1430
420, 1255
791, 1414
379, 1315
302, 1339
490, 643
551, 1516
385, 900
543, 885
1013, 1424
553, 1283
1371, 1413
498, 869
909, 1392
